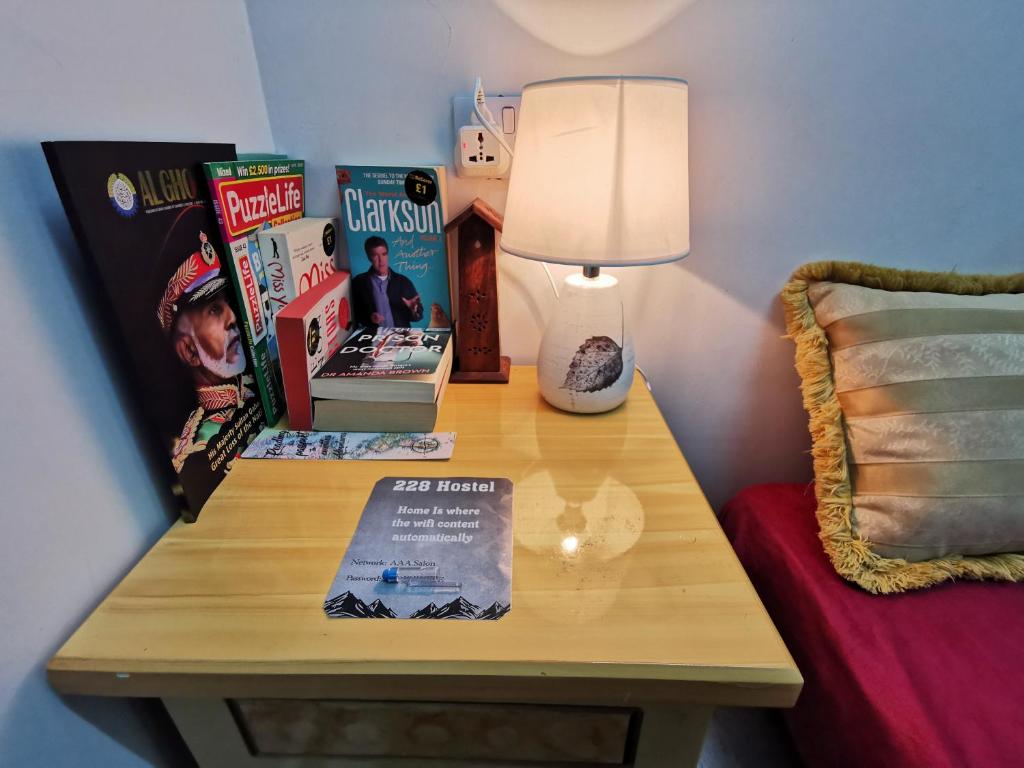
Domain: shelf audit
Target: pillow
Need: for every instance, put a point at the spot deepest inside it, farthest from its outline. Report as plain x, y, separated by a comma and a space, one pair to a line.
914, 383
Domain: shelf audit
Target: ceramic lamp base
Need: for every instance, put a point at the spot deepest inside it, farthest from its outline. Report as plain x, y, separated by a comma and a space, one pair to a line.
586, 358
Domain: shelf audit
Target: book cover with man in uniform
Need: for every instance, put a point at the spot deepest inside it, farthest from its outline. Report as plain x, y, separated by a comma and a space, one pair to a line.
141, 215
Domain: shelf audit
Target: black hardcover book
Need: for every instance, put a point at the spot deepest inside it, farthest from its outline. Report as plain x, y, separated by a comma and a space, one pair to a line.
142, 218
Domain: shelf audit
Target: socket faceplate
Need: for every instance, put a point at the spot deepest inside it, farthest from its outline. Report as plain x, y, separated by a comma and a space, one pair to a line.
504, 109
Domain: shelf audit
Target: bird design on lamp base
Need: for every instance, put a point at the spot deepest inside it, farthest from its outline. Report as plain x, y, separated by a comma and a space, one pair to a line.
586, 358
596, 365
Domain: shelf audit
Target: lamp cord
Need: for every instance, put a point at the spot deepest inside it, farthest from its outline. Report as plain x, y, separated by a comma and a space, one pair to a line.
483, 114
554, 288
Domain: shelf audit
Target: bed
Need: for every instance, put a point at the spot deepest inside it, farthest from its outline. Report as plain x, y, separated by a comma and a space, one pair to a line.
925, 678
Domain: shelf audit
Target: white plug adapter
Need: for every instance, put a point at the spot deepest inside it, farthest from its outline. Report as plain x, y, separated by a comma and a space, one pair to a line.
478, 154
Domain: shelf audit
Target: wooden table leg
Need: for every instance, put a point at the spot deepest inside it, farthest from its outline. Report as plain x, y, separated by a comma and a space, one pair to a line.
671, 736
210, 732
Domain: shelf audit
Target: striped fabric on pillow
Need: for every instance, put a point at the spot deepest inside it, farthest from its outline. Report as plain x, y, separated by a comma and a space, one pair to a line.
914, 385
931, 388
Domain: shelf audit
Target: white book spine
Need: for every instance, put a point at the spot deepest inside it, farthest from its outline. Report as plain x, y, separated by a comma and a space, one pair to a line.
280, 282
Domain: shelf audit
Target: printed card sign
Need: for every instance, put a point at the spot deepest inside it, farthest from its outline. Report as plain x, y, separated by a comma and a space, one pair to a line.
429, 548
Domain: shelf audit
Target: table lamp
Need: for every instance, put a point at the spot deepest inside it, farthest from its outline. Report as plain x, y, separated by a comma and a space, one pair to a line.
599, 178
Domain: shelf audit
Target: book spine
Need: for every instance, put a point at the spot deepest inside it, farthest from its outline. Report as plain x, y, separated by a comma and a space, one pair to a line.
418, 417
246, 283
291, 336
307, 341
280, 272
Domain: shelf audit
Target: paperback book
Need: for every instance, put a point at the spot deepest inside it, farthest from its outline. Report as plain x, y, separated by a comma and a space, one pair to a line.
310, 329
429, 548
297, 256
380, 416
248, 197
143, 220
393, 218
386, 365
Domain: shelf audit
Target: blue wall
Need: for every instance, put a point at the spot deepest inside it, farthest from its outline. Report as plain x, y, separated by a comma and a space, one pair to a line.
79, 505
879, 131
870, 130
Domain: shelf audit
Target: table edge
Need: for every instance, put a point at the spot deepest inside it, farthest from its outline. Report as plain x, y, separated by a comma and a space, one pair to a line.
771, 685
737, 686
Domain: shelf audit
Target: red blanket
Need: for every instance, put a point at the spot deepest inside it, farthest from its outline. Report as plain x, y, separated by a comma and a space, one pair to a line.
929, 678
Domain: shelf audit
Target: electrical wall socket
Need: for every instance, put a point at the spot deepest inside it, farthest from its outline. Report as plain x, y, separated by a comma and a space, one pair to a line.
478, 148
471, 151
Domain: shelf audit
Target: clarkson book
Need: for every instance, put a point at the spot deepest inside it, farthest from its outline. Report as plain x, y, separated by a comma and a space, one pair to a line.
393, 219
249, 196
143, 220
309, 330
387, 365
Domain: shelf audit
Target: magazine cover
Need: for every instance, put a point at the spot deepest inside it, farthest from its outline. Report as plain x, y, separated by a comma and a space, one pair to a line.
394, 236
429, 548
387, 352
249, 196
142, 218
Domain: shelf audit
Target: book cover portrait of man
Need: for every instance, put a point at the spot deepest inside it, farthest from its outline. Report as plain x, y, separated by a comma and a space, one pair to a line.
202, 327
382, 297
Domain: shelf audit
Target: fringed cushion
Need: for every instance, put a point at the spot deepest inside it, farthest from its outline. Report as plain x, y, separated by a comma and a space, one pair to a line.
914, 383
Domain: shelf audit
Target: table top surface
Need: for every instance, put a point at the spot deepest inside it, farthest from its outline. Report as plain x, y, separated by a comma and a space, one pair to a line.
620, 569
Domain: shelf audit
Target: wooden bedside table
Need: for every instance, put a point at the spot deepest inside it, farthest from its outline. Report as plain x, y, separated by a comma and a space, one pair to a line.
631, 617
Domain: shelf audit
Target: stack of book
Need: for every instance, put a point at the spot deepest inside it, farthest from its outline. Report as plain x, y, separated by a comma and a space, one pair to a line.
383, 380
378, 379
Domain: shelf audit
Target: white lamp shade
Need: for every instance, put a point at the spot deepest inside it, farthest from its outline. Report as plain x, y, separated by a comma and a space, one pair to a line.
600, 174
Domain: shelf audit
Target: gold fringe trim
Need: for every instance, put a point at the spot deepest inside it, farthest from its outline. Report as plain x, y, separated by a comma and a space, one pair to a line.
851, 555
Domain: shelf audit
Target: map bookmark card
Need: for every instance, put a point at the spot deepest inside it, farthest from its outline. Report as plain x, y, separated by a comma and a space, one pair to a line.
429, 548
391, 446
